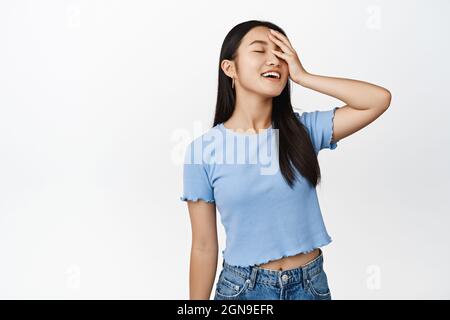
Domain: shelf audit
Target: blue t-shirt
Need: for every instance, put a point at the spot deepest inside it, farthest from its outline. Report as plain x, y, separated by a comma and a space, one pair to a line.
264, 219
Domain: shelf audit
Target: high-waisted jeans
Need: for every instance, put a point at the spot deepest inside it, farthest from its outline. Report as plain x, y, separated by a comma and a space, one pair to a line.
308, 282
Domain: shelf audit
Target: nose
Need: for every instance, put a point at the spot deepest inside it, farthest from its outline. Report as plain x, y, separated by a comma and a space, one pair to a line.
273, 60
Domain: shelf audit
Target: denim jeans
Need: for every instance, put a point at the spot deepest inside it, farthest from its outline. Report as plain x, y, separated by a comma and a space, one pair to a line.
308, 282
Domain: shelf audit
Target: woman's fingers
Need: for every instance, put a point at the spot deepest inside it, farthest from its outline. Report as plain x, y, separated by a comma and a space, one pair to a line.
281, 44
280, 54
283, 38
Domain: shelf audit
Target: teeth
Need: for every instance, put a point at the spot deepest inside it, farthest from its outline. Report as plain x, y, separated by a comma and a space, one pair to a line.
275, 74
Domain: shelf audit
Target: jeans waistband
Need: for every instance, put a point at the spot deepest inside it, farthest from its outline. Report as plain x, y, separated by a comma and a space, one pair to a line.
278, 278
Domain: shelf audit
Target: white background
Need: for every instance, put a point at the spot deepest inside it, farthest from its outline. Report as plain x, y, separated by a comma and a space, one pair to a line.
99, 98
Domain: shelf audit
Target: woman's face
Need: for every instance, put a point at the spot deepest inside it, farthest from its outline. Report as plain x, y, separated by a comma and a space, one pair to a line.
254, 57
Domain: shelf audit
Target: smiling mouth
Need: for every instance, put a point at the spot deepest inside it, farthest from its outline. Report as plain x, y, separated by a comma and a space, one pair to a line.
272, 76
272, 79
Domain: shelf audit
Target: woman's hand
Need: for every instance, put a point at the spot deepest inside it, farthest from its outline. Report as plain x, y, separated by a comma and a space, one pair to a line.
296, 70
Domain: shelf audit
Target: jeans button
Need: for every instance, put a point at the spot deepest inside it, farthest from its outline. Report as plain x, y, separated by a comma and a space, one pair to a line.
284, 277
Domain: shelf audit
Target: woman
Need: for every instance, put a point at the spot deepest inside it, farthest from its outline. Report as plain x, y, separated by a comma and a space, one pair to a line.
273, 223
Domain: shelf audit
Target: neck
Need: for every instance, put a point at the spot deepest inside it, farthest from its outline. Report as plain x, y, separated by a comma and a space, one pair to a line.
251, 112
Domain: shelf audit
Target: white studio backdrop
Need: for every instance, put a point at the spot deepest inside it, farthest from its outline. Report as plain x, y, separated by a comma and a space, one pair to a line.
99, 98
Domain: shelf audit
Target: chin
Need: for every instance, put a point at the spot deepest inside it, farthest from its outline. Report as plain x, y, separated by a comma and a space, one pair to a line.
272, 93
269, 95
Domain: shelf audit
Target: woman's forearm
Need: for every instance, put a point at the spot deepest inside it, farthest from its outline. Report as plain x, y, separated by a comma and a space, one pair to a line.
202, 273
355, 93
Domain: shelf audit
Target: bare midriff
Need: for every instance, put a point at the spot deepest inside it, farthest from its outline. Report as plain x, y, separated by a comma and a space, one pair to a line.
291, 262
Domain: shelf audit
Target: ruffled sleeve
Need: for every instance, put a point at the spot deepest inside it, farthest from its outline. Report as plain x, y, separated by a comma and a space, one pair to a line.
320, 125
196, 183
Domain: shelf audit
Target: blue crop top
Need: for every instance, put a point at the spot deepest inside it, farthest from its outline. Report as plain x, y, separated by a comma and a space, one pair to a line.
264, 219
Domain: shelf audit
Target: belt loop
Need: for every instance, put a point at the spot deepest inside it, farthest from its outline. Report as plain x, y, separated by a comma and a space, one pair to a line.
305, 275
253, 272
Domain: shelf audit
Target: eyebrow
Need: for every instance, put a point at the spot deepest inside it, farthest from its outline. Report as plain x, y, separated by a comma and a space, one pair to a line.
258, 41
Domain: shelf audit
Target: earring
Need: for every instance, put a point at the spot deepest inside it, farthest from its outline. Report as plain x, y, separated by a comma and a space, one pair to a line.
232, 84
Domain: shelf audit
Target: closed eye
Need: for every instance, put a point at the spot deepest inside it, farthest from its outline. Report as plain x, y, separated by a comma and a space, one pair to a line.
259, 51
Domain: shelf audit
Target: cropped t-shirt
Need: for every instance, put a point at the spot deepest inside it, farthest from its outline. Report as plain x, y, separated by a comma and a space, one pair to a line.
264, 219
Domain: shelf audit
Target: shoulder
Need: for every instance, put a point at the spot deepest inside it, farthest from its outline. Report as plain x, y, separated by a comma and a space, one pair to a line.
308, 117
319, 124
317, 119
202, 147
305, 117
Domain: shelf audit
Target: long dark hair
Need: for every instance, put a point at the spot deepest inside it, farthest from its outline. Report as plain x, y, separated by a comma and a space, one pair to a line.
295, 147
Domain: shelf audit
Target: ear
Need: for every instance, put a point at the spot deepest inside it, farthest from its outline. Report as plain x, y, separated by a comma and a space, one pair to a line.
228, 67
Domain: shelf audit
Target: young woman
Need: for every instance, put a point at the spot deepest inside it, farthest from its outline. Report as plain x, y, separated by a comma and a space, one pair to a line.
273, 223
